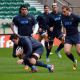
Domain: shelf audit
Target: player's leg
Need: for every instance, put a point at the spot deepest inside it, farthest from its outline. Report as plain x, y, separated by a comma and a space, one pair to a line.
33, 68
69, 41
45, 36
78, 48
36, 55
77, 43
67, 49
50, 41
21, 55
49, 50
40, 38
59, 36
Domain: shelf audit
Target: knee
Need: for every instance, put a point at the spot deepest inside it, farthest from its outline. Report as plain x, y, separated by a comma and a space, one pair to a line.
78, 52
32, 61
67, 52
50, 47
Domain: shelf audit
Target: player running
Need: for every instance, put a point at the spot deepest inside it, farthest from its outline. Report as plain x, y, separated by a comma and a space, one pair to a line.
55, 22
70, 24
43, 26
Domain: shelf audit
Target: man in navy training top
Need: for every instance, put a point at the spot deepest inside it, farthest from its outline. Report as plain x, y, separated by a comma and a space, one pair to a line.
24, 22
70, 24
42, 19
32, 49
55, 22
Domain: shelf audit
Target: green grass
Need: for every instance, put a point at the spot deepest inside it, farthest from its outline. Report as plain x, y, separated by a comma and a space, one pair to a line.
62, 71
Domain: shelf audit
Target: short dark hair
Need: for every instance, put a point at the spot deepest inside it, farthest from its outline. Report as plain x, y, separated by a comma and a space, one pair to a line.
67, 7
25, 6
45, 6
13, 36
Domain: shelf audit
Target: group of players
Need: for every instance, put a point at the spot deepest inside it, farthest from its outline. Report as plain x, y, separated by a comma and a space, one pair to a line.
49, 28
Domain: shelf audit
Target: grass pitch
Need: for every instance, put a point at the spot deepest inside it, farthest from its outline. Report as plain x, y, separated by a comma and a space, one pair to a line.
63, 68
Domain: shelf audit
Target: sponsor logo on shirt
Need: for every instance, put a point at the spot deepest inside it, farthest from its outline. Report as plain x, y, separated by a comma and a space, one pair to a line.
24, 22
68, 23
56, 19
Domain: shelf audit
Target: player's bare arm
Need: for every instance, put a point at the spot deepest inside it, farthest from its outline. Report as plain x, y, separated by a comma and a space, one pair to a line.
64, 33
12, 27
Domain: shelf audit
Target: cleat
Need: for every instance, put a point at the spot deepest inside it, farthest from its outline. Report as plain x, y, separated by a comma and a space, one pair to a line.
75, 65
33, 70
51, 68
47, 60
26, 67
58, 53
50, 53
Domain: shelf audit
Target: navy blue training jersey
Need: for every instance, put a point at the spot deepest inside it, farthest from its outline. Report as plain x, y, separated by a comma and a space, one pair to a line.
24, 24
55, 20
71, 24
28, 43
43, 21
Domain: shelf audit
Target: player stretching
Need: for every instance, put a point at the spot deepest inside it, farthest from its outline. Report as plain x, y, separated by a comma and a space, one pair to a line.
70, 24
33, 50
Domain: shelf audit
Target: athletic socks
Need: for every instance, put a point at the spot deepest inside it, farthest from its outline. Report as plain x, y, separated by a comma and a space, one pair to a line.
26, 65
47, 54
38, 63
30, 65
60, 47
46, 45
71, 57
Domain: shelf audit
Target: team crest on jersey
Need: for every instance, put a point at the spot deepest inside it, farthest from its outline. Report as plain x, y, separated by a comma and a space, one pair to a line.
48, 37
29, 18
59, 15
72, 18
43, 31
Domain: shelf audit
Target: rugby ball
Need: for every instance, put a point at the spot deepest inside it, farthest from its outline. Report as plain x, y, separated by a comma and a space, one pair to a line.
19, 48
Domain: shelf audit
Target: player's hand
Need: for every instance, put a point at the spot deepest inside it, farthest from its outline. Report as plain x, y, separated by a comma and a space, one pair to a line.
21, 56
19, 61
63, 38
51, 29
40, 30
33, 35
18, 53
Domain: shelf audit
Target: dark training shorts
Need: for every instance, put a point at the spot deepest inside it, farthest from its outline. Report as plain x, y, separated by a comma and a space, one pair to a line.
56, 34
43, 32
74, 39
39, 50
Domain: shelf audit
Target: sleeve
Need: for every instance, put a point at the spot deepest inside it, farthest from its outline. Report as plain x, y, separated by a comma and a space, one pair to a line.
15, 21
28, 45
77, 18
36, 28
62, 20
34, 21
38, 18
14, 51
16, 29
